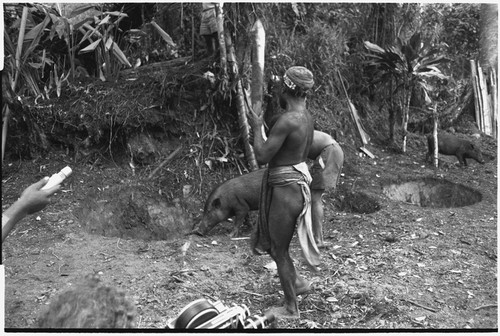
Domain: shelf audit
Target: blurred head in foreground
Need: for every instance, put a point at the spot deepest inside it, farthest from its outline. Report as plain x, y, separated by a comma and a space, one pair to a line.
89, 304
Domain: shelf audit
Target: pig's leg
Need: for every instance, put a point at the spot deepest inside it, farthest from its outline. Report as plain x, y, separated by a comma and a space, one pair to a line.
239, 220
461, 157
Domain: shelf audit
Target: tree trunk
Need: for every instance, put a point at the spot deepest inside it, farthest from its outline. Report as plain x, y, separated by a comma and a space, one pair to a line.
406, 115
222, 42
392, 114
435, 136
488, 62
6, 115
241, 106
488, 41
392, 123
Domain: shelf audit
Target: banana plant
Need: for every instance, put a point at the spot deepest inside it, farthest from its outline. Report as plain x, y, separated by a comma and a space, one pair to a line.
406, 67
22, 62
101, 38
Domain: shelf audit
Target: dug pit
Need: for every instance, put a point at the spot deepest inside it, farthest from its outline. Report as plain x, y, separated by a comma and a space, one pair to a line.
132, 212
433, 193
356, 202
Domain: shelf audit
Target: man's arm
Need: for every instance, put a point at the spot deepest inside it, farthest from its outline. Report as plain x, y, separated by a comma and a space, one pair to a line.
32, 200
265, 150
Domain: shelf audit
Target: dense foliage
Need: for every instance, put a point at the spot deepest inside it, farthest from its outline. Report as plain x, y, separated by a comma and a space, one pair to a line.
63, 47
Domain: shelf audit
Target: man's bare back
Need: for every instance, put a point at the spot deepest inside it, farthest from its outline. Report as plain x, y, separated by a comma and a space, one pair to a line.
298, 125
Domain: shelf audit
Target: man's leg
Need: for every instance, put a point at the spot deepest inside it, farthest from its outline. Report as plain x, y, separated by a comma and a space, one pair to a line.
286, 205
209, 44
317, 216
215, 41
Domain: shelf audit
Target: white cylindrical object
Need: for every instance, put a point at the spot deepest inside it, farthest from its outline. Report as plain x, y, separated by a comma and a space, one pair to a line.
58, 178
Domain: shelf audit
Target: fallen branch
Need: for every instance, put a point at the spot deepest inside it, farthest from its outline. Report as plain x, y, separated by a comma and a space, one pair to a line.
170, 157
177, 278
240, 238
255, 294
491, 305
421, 306
187, 270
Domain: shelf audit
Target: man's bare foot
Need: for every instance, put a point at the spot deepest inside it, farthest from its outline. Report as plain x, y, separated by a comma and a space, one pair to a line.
283, 313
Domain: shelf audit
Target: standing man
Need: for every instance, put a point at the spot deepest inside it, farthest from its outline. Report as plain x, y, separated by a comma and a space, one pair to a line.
285, 194
208, 27
328, 160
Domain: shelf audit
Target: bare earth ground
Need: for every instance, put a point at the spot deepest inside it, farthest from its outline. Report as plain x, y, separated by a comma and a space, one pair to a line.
401, 267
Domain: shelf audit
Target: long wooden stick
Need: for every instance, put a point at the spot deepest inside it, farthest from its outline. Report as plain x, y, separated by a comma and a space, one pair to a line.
421, 306
485, 110
477, 97
258, 51
435, 137
491, 305
361, 132
240, 104
494, 101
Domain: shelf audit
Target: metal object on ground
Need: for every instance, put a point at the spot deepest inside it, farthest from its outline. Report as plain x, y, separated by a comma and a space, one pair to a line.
204, 314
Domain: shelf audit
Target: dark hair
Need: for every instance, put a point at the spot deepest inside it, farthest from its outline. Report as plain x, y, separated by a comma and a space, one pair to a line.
89, 305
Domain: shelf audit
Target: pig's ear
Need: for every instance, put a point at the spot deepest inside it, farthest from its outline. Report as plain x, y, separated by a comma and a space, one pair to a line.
216, 203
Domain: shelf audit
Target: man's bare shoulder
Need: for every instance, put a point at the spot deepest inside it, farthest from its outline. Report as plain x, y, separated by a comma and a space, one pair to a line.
292, 118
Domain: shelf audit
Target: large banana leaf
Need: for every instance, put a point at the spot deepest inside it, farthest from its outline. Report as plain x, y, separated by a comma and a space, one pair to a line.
109, 43
163, 34
120, 55
91, 47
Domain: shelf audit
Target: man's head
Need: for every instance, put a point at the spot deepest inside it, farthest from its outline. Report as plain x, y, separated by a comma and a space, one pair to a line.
297, 81
89, 305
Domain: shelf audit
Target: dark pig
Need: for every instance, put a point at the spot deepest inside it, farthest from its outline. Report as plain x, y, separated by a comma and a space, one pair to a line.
449, 144
235, 197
